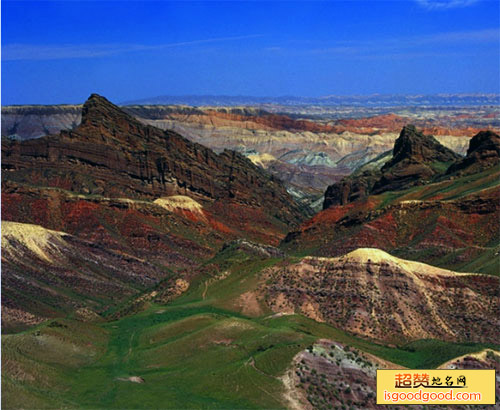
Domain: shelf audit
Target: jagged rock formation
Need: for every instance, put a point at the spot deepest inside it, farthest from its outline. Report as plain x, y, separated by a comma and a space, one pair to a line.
350, 189
113, 154
373, 294
483, 152
123, 217
413, 146
416, 159
357, 185
130, 200
452, 223
284, 133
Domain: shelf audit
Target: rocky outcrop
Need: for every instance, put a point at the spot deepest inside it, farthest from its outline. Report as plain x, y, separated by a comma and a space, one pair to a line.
329, 374
483, 152
373, 294
358, 185
113, 154
416, 160
413, 146
341, 145
255, 249
350, 189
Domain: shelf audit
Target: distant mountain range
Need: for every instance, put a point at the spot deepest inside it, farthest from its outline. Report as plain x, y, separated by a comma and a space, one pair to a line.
378, 100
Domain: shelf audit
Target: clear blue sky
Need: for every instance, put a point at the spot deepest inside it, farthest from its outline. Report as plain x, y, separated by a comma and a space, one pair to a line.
60, 52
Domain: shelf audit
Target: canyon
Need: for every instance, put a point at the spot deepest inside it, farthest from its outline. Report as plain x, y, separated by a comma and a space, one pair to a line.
307, 147
148, 252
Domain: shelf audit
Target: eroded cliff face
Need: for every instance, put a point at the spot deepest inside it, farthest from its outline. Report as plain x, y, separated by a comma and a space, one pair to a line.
34, 121
304, 153
483, 153
308, 153
373, 294
114, 155
102, 210
416, 159
96, 215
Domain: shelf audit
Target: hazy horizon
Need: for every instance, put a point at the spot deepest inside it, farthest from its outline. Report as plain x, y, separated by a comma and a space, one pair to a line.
327, 100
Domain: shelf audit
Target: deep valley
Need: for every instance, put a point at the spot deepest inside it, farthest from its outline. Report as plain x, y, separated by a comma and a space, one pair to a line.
235, 257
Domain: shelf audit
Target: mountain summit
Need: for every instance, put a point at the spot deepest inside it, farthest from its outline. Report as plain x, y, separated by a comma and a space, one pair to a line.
413, 146
483, 152
102, 118
416, 159
114, 155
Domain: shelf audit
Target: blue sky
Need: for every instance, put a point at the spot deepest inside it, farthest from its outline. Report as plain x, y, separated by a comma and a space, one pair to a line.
60, 52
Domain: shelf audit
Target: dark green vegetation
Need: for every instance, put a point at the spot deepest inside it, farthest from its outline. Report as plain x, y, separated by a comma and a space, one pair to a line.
198, 352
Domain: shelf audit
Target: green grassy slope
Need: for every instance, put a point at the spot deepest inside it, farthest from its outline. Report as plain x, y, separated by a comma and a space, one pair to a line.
188, 357
199, 352
450, 223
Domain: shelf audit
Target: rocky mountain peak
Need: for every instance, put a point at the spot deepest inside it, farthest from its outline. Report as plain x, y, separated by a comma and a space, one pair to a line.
483, 152
113, 155
484, 141
416, 159
101, 117
96, 107
414, 146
